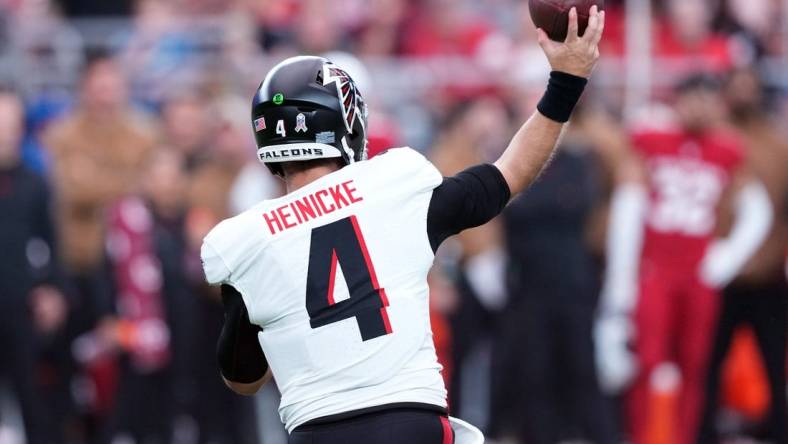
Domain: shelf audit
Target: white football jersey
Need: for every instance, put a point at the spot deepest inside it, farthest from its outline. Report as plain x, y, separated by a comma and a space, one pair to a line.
335, 273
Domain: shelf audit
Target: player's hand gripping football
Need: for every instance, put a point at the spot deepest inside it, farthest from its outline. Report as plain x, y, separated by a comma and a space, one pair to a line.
576, 55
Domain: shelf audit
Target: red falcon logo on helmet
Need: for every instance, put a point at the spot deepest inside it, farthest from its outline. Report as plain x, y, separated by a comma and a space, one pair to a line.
349, 97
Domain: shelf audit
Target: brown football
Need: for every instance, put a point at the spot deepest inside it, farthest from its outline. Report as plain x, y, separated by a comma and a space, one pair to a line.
553, 15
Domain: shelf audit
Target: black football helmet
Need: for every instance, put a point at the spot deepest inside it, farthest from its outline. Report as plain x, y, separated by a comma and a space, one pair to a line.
308, 108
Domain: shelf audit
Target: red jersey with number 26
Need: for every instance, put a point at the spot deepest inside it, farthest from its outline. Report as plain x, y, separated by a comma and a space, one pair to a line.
687, 176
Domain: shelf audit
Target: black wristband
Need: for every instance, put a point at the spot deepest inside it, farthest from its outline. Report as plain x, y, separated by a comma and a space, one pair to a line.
563, 92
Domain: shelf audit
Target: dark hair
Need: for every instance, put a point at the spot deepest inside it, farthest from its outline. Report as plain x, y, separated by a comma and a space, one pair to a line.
8, 88
698, 82
746, 71
455, 114
459, 110
93, 57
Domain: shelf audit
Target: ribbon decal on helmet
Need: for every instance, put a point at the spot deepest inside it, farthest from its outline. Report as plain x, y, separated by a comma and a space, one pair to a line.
300, 123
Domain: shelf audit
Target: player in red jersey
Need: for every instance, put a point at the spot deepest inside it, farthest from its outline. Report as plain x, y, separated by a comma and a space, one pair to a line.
665, 264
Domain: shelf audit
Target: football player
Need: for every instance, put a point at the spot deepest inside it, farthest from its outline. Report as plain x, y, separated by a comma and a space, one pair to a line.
665, 268
325, 289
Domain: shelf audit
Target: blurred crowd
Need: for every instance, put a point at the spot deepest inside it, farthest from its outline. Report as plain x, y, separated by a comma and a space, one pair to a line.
125, 137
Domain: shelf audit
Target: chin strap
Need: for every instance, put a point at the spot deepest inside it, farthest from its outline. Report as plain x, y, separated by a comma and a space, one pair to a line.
348, 151
726, 257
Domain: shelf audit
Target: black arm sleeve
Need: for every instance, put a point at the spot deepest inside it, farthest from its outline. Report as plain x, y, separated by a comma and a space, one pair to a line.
238, 351
471, 198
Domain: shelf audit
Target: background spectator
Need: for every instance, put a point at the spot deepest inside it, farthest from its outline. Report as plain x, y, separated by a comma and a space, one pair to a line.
31, 306
758, 297
552, 385
98, 152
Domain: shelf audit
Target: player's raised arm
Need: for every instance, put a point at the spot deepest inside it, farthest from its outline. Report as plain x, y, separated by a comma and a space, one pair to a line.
572, 62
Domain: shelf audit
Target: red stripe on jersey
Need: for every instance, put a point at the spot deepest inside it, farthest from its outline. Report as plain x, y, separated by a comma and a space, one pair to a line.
383, 298
386, 322
332, 277
448, 435
365, 252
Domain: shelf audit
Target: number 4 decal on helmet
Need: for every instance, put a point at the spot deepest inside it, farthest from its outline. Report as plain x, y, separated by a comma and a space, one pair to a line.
341, 242
280, 128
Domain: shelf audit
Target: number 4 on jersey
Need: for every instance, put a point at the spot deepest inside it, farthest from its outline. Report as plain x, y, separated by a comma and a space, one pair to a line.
341, 242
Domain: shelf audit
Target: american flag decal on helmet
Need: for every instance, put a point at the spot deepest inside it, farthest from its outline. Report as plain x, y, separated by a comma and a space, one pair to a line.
349, 98
259, 124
